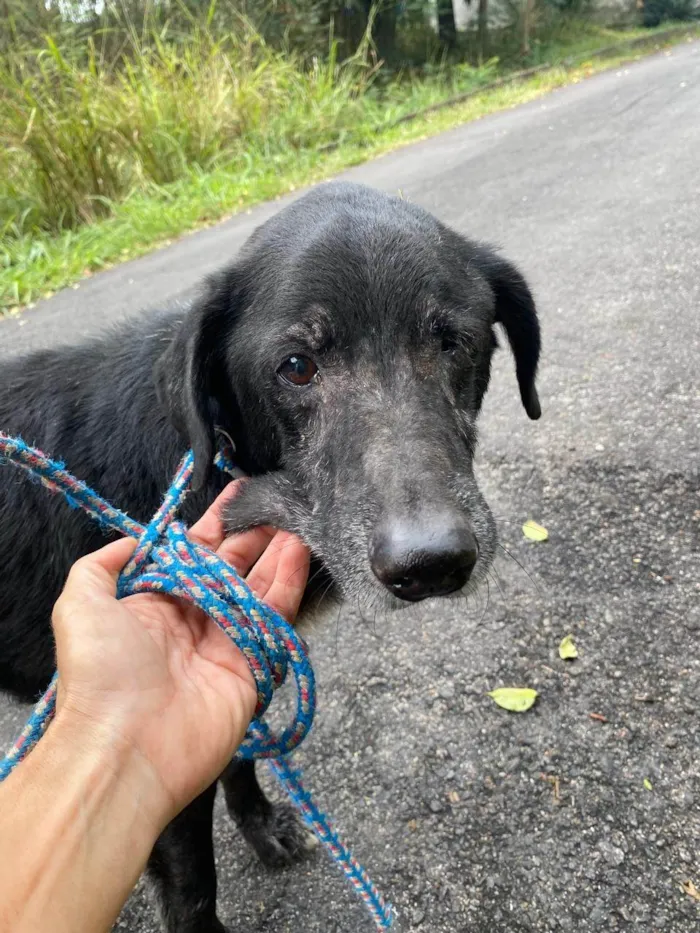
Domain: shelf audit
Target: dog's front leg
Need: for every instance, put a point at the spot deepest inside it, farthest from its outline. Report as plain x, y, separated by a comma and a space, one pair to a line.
181, 868
273, 830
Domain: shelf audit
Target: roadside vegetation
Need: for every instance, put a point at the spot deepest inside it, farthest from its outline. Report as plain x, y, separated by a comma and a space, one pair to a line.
122, 129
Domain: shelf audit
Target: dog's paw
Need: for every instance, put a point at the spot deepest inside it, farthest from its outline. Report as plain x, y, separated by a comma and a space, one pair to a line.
216, 927
210, 925
277, 836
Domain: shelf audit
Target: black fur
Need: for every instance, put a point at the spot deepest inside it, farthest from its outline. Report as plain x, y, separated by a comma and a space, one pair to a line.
397, 311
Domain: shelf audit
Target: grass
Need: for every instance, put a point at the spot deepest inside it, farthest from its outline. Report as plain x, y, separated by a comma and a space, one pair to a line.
186, 138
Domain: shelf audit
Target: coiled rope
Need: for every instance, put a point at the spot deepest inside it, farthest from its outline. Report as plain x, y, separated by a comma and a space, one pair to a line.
166, 561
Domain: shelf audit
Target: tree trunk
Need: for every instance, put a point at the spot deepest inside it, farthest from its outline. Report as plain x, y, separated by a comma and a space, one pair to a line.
483, 30
527, 24
447, 28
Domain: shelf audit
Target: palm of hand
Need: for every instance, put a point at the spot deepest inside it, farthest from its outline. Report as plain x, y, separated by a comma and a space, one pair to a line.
156, 668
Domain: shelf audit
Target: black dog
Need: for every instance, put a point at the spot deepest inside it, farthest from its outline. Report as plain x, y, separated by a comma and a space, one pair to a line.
346, 352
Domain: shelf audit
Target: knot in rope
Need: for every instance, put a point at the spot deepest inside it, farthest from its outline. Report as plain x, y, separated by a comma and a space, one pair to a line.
167, 561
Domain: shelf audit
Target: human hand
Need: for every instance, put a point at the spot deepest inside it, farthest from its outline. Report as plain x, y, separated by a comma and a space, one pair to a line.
153, 677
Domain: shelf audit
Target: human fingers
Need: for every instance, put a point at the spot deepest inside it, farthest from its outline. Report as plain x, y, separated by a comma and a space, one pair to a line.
280, 575
241, 551
99, 571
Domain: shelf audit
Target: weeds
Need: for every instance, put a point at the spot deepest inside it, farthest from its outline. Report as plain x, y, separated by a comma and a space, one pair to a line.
107, 148
78, 134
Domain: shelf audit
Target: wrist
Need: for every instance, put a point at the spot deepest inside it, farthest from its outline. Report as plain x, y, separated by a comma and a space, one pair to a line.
104, 753
84, 810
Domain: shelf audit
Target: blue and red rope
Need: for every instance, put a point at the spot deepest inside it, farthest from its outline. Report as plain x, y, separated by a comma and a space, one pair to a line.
166, 561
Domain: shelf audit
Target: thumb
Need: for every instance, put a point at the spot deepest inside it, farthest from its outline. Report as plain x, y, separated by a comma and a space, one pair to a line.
102, 568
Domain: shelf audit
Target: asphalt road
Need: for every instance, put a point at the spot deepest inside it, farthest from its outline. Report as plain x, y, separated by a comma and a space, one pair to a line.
472, 819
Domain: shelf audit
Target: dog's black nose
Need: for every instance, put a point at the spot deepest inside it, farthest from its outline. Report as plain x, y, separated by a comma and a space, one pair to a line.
432, 556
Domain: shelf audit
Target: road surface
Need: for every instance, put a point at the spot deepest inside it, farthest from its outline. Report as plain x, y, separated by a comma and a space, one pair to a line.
472, 819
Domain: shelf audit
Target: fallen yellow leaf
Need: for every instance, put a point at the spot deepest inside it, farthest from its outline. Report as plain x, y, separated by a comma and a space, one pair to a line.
515, 699
567, 648
687, 887
648, 784
535, 532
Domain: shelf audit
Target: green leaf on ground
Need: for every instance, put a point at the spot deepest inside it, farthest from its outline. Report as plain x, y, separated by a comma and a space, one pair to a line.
648, 784
567, 649
515, 699
535, 532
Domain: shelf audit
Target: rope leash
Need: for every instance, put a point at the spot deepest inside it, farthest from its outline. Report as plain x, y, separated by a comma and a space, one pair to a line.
166, 561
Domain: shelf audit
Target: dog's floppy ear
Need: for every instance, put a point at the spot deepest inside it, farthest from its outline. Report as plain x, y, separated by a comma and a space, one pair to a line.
190, 375
516, 313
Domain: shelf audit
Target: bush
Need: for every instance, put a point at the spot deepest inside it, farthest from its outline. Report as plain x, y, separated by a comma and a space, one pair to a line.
657, 11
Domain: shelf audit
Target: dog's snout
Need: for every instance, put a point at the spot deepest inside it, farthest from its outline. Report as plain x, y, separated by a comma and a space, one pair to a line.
432, 556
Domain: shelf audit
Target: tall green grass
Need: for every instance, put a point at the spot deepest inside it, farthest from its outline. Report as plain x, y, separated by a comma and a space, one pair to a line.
107, 147
78, 134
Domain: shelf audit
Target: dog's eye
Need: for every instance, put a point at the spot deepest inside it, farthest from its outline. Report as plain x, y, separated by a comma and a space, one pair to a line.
298, 371
449, 341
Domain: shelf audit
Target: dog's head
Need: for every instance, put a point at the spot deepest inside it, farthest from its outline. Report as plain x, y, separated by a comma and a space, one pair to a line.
347, 353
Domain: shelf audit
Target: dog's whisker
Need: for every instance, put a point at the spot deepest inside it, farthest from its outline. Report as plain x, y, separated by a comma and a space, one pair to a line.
486, 604
323, 595
359, 609
315, 575
524, 570
491, 575
294, 573
496, 573
337, 628
364, 620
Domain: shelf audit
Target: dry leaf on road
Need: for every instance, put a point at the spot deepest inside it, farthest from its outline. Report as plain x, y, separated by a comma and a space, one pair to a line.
567, 648
515, 699
687, 887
